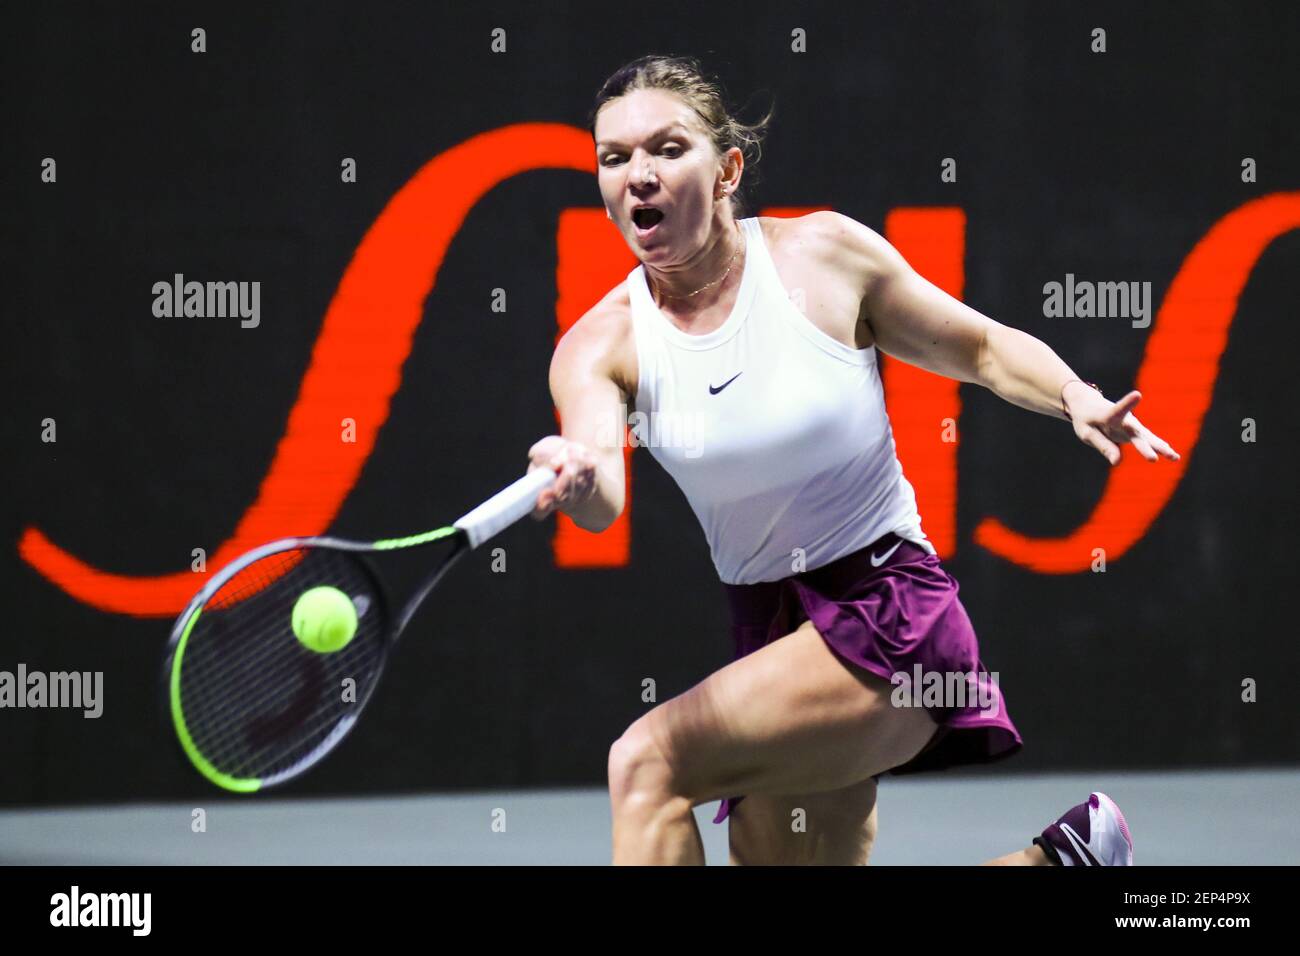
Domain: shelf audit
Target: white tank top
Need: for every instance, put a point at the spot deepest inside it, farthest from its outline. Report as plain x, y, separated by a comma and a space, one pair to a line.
775, 432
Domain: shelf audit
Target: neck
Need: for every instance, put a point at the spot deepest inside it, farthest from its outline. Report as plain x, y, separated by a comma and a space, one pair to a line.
702, 279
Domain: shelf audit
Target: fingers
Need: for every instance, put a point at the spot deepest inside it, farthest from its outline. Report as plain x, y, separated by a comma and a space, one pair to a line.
543, 450
1131, 430
1151, 446
545, 505
1124, 406
575, 469
1094, 437
1144, 449
1163, 447
1159, 447
1119, 427
572, 467
542, 455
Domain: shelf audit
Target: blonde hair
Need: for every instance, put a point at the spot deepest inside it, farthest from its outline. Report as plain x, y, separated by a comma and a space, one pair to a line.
682, 76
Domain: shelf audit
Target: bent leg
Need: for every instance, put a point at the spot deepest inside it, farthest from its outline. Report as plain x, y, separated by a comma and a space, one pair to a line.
790, 718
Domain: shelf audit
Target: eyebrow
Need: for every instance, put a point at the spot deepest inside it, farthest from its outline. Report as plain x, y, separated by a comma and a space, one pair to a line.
662, 131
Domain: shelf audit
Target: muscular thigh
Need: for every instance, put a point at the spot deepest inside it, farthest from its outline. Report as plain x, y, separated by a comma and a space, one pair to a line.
790, 718
834, 827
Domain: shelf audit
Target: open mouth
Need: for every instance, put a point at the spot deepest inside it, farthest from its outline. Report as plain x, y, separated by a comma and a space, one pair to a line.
646, 218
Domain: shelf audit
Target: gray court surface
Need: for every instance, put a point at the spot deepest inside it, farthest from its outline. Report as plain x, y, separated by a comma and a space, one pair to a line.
1196, 818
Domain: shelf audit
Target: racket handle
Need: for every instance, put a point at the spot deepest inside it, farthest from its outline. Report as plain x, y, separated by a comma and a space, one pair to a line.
505, 507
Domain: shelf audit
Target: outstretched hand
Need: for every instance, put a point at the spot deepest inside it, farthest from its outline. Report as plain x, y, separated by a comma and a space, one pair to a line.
1105, 425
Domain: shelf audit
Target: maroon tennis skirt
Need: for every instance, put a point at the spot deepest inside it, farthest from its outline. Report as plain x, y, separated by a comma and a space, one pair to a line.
890, 608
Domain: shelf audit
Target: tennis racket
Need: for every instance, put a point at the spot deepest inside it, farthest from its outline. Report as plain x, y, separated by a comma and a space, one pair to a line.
252, 705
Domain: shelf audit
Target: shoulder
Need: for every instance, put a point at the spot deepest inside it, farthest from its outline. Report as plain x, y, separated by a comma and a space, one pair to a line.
600, 343
836, 241
821, 230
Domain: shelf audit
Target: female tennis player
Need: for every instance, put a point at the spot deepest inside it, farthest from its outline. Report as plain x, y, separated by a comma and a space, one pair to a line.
836, 594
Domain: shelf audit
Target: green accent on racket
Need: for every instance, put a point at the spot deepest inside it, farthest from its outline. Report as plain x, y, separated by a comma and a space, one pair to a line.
272, 662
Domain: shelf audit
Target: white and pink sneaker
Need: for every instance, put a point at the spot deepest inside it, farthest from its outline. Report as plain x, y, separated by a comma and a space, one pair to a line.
1092, 834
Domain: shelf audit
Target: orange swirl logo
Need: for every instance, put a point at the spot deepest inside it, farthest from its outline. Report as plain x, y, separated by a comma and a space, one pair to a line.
366, 335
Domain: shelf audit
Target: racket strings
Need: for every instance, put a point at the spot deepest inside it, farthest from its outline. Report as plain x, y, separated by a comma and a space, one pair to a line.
292, 682
255, 578
255, 701
263, 706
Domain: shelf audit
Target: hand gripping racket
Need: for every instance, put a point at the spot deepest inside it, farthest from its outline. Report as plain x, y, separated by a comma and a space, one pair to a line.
253, 705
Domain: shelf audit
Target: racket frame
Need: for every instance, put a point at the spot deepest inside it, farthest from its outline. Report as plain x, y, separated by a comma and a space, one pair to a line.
173, 715
467, 533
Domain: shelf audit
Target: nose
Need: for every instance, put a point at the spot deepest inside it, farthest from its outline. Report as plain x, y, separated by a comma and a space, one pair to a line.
646, 175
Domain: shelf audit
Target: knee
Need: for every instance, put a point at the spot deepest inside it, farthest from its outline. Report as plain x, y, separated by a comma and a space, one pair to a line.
639, 772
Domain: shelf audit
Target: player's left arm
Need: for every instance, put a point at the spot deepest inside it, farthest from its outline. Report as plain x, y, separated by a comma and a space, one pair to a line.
916, 322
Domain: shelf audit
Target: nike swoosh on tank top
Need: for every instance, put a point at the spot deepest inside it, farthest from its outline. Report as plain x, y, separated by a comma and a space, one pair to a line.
795, 452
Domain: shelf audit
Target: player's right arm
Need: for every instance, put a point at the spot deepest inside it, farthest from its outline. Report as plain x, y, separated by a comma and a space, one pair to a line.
588, 385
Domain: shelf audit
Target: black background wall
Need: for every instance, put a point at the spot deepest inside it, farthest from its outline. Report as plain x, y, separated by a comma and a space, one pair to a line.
225, 165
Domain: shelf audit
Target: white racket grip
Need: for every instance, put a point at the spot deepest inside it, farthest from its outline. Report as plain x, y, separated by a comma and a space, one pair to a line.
505, 507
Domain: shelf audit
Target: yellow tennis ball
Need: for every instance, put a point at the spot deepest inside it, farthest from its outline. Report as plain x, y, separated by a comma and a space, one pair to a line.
324, 619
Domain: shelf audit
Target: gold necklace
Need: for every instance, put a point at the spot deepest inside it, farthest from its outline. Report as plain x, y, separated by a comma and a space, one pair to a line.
724, 275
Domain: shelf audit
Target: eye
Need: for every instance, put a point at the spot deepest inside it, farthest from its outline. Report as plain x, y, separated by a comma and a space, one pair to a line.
607, 161
672, 150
